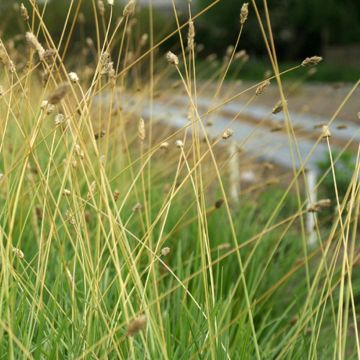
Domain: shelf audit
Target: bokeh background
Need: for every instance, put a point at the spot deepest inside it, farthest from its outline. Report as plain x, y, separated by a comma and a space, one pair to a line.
303, 28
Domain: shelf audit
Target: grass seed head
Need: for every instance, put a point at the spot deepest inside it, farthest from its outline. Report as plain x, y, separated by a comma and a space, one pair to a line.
59, 119
144, 39
137, 325
110, 2
191, 36
241, 55
101, 7
172, 58
311, 61
261, 88
137, 207
18, 253
341, 126
91, 191
58, 94
73, 77
141, 129
179, 144
228, 133
5, 58
35, 44
319, 205
164, 145
244, 12
279, 106
224, 246
129, 8
50, 56
46, 107
44, 104
24, 13
165, 251
325, 132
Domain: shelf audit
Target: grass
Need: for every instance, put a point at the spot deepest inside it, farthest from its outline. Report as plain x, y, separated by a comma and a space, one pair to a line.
117, 243
255, 70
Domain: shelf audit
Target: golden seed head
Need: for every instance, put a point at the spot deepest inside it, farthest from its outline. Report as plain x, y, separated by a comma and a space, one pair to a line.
89, 42
179, 144
325, 132
312, 71
228, 133
24, 13
241, 55
129, 8
144, 39
229, 50
165, 251
172, 58
141, 129
47, 107
137, 207
319, 205
58, 94
73, 77
35, 44
101, 7
81, 18
261, 88
50, 109
18, 253
278, 107
5, 59
59, 119
244, 12
276, 128
341, 126
137, 325
191, 35
164, 145
44, 105
91, 191
224, 246
310, 61
49, 56
107, 66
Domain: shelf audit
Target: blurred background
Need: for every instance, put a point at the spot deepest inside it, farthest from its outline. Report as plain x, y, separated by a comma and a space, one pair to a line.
303, 28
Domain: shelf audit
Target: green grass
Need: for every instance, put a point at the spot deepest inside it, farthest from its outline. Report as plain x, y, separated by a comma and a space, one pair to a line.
89, 205
256, 70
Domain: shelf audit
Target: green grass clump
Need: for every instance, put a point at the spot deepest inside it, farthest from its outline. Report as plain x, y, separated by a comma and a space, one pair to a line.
123, 237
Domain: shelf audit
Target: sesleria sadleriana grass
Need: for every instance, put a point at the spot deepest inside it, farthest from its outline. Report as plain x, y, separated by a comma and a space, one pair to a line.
118, 235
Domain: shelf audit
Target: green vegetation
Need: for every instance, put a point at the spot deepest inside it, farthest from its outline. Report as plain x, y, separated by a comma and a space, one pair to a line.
122, 237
